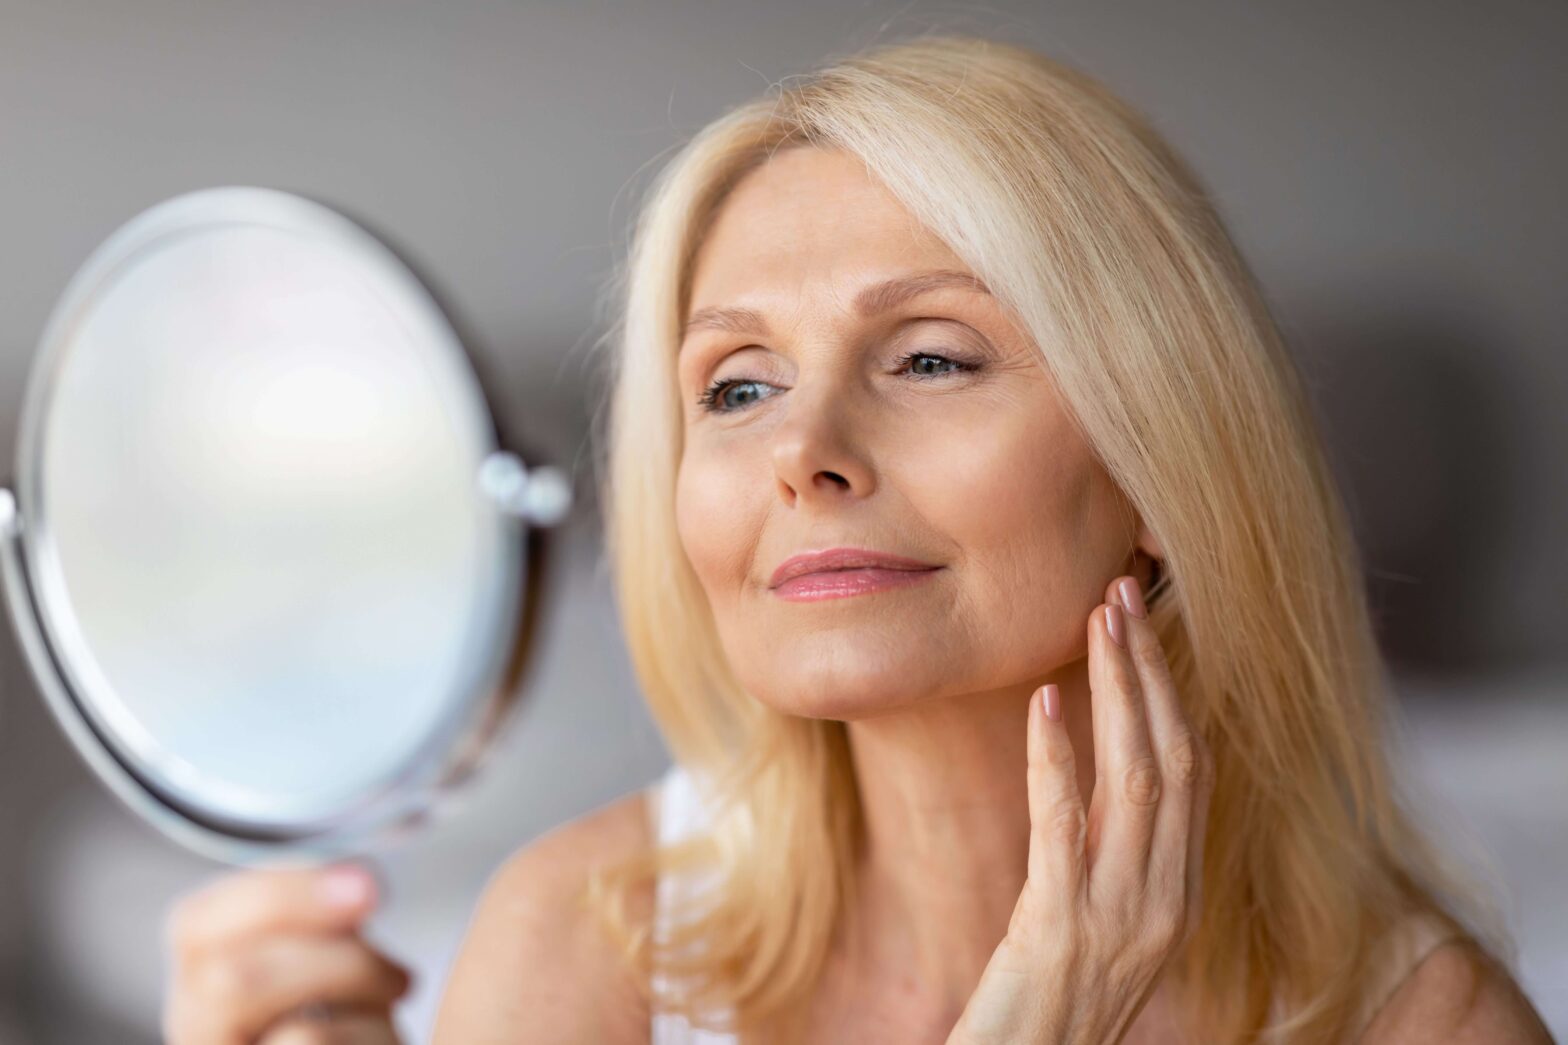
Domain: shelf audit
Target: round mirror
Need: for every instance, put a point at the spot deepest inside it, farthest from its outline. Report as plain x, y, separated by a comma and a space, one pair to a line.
270, 562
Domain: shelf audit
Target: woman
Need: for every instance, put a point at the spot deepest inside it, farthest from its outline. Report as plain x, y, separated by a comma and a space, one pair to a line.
978, 558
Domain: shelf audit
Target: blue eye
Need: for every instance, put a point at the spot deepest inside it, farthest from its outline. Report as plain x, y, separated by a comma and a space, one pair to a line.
909, 357
712, 399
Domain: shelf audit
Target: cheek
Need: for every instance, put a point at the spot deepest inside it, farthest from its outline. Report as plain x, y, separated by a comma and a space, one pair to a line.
712, 509
1017, 494
1031, 516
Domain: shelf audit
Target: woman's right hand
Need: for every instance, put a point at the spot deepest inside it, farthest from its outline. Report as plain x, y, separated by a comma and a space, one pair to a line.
254, 947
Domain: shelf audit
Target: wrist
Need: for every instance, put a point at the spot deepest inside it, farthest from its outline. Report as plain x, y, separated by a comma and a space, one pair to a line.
1025, 1004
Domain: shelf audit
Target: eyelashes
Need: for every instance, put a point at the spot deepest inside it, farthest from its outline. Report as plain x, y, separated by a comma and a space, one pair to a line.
711, 400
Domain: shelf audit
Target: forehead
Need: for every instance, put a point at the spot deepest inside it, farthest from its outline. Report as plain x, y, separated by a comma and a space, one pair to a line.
810, 216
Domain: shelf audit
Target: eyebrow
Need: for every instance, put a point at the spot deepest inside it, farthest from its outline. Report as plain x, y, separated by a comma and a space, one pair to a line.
873, 300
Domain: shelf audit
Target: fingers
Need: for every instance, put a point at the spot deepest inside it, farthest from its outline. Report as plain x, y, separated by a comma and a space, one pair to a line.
351, 1027
1184, 762
1196, 836
1127, 775
1056, 812
256, 945
246, 904
239, 992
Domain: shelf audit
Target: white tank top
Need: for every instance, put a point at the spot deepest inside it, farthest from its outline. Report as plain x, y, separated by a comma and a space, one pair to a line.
678, 806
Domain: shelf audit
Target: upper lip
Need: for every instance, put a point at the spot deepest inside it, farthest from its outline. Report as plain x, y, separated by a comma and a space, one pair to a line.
842, 559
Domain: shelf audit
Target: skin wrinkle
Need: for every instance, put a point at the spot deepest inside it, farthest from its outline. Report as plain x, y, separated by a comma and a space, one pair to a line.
985, 473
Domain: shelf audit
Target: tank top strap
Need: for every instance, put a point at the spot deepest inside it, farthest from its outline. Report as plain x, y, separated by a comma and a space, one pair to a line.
680, 803
680, 809
1396, 956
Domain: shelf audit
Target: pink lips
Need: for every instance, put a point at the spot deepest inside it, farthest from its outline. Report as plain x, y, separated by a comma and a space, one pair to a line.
841, 572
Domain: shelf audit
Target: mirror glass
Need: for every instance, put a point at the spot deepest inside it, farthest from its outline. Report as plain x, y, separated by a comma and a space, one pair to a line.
254, 528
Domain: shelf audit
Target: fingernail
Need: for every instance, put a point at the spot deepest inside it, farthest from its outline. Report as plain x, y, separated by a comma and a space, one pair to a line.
1115, 625
1053, 703
1132, 598
347, 886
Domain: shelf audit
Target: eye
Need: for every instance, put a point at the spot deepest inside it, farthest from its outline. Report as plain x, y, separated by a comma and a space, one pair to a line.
716, 398
717, 392
957, 365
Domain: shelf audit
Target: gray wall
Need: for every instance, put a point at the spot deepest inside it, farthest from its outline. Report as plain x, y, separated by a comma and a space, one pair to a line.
1393, 171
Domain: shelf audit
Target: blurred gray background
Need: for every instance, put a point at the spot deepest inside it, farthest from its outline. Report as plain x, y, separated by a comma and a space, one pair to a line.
1394, 172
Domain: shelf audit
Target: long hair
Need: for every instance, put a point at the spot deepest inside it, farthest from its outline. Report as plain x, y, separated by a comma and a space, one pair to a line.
1107, 248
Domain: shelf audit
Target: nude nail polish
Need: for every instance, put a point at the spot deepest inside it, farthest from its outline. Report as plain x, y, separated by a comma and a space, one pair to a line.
347, 886
1115, 625
1052, 699
1132, 597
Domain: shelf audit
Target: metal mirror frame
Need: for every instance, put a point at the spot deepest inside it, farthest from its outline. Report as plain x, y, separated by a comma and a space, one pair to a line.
528, 500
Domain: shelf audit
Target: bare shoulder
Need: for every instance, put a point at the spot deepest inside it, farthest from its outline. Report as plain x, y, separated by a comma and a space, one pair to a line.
533, 967
1460, 994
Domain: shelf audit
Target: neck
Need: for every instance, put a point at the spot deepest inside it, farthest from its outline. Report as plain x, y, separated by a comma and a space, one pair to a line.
944, 798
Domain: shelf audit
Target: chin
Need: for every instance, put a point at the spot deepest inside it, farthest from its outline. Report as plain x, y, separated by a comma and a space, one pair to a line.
834, 706
839, 695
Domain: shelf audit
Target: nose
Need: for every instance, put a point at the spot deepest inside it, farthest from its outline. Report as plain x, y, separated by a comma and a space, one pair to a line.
817, 449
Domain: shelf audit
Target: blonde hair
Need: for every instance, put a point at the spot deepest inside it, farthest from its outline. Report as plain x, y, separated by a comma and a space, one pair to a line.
1104, 245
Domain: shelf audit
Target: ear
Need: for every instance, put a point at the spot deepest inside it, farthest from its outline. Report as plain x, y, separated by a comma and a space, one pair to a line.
1146, 550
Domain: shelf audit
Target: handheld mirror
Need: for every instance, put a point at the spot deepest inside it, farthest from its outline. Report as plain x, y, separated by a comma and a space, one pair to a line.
268, 559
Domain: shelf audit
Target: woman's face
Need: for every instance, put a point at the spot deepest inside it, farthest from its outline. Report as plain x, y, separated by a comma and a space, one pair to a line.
923, 427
